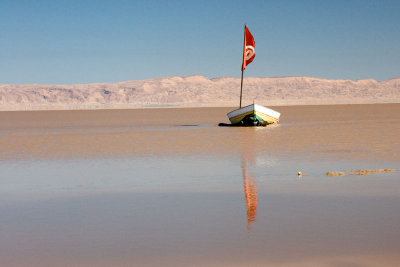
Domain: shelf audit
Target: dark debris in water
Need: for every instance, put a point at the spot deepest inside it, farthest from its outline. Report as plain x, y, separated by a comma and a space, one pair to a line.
359, 172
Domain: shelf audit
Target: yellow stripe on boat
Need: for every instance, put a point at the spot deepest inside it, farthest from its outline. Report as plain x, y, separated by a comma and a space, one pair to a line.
267, 118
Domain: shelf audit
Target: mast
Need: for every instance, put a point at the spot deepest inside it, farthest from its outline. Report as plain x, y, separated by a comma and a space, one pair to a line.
244, 54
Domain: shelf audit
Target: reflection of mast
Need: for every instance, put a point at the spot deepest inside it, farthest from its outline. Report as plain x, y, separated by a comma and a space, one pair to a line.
250, 189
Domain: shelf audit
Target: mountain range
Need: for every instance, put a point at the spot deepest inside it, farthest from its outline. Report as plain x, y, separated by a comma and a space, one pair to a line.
198, 91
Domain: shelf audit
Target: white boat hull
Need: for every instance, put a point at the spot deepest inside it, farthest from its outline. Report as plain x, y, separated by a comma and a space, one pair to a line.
258, 114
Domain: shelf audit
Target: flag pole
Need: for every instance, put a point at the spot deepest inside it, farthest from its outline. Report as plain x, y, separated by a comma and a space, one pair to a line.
241, 80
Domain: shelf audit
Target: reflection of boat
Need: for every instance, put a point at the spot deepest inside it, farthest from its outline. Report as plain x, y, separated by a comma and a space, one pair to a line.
254, 115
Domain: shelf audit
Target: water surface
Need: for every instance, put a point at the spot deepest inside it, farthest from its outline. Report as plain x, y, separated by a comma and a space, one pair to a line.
169, 187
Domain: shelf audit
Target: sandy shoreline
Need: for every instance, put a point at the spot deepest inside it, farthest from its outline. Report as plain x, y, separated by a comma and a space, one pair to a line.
232, 105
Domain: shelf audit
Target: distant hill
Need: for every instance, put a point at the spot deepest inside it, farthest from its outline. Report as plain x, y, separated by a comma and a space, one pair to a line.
198, 91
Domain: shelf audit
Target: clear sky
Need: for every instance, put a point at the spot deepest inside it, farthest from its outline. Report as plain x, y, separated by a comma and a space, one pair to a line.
64, 42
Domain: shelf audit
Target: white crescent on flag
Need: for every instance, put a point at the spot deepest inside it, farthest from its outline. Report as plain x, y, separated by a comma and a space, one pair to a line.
250, 52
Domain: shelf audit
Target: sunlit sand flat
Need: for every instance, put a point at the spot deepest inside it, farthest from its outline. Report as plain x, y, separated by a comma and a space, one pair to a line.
130, 187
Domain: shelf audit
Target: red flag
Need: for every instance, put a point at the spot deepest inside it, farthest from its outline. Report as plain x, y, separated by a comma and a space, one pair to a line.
248, 50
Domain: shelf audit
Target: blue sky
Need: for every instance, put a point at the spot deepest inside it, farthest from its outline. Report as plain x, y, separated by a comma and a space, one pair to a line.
64, 42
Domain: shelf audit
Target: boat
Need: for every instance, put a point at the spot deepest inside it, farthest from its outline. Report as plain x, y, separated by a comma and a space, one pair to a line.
251, 115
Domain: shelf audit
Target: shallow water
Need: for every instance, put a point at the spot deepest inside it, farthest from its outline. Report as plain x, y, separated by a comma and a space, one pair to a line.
168, 187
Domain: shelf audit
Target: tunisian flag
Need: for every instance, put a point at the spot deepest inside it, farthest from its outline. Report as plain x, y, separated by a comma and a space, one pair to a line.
248, 50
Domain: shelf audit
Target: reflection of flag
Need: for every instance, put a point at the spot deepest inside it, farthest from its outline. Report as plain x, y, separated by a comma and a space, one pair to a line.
250, 188
248, 52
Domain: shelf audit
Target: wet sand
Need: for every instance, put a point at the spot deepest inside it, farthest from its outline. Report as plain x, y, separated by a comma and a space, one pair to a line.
169, 187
